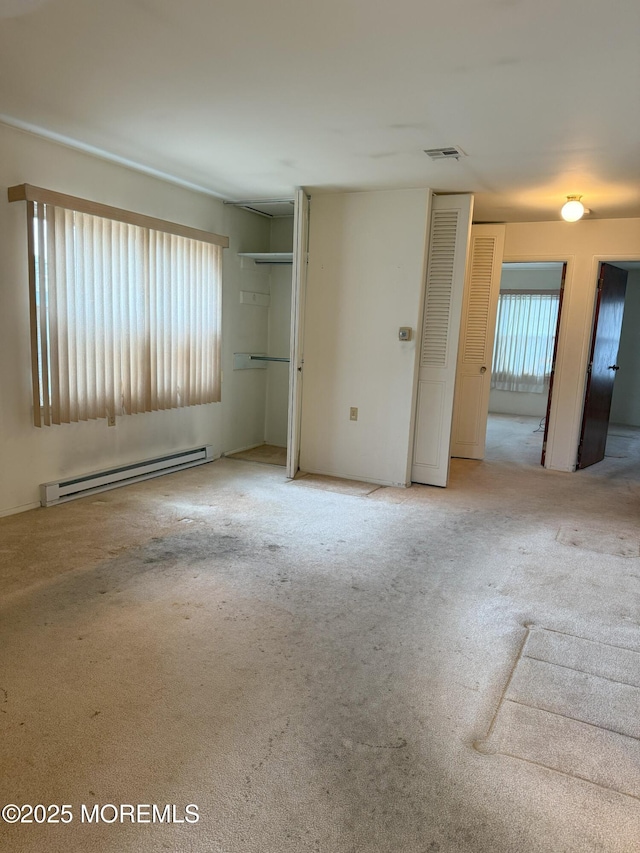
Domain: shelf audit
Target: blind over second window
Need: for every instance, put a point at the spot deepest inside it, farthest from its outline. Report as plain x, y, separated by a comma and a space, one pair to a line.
523, 351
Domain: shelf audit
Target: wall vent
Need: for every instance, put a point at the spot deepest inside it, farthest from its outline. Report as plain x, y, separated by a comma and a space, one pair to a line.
451, 152
100, 481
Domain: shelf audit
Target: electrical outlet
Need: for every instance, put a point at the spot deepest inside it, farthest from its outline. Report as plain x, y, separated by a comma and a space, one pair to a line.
111, 420
353, 413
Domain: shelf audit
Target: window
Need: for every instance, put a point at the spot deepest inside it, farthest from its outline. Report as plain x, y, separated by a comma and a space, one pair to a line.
125, 311
525, 332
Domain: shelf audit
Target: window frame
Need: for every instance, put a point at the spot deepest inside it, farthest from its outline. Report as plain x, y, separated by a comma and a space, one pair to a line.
166, 233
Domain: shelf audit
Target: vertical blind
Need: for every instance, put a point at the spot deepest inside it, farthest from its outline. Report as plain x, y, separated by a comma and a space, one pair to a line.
125, 318
525, 332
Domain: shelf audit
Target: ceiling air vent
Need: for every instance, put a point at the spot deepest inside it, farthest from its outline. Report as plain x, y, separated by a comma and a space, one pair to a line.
451, 152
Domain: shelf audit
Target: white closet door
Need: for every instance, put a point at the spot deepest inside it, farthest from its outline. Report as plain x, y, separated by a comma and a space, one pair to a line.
298, 291
475, 353
448, 245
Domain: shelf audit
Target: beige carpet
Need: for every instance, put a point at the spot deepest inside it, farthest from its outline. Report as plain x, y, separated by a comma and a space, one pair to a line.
421, 670
268, 454
571, 705
516, 439
334, 484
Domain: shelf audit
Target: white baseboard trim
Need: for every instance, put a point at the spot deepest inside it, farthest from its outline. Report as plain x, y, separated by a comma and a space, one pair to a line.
242, 449
354, 477
14, 510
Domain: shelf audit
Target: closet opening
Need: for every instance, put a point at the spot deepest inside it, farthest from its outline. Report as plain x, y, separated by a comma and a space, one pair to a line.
273, 279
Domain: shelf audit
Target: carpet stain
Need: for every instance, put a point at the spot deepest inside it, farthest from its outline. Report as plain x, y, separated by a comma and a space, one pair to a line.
401, 744
614, 542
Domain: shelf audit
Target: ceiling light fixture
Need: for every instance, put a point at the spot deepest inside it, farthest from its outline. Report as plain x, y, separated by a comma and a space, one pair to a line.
573, 209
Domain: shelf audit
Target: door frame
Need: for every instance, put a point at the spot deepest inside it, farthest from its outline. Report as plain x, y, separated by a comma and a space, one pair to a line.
296, 341
561, 335
554, 357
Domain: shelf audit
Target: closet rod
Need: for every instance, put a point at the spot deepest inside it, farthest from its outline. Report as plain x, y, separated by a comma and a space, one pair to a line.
250, 205
239, 203
267, 358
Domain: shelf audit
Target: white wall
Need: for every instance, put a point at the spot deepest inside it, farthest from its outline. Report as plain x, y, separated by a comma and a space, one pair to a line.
525, 403
281, 234
245, 328
516, 278
30, 456
582, 244
625, 406
365, 280
277, 405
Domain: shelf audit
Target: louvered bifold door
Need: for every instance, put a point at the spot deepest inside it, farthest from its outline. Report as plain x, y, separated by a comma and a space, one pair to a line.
444, 287
475, 353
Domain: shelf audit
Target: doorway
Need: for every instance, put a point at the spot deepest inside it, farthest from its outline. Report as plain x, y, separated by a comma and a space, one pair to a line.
524, 353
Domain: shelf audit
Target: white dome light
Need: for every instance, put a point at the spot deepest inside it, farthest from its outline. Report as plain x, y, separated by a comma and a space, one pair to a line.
573, 209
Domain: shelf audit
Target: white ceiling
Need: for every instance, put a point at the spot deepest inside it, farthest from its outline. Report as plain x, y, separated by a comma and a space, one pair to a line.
247, 98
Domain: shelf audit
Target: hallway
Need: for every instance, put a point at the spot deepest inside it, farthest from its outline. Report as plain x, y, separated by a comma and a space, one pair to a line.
517, 440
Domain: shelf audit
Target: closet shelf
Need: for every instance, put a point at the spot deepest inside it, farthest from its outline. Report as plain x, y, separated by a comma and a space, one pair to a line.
269, 257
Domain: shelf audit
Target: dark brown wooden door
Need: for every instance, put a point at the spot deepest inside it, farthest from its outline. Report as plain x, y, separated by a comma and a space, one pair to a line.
603, 366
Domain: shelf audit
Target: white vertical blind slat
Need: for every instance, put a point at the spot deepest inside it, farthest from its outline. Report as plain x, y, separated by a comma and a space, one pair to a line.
153, 346
52, 317
44, 347
107, 318
83, 273
200, 309
174, 320
205, 297
215, 292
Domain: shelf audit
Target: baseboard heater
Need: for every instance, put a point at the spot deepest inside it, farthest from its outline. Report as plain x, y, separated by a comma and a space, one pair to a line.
100, 481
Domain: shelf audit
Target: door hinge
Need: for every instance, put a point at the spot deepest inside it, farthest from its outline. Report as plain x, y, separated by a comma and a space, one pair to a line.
600, 283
